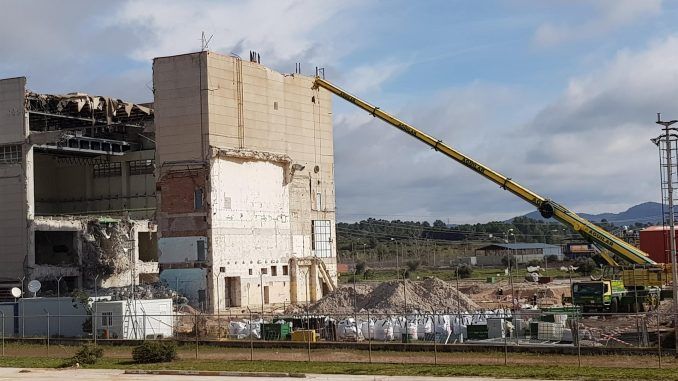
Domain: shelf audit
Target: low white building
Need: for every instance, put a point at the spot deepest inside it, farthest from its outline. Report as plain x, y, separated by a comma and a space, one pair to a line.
134, 319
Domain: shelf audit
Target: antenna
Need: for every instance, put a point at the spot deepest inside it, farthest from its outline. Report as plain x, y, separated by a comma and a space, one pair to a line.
204, 42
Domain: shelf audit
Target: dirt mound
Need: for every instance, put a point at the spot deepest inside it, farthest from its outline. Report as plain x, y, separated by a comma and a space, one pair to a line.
430, 295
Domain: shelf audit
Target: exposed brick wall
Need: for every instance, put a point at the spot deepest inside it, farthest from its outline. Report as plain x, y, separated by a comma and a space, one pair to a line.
177, 216
177, 190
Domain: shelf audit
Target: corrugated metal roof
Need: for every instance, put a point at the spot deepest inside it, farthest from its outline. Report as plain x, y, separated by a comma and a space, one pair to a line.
520, 245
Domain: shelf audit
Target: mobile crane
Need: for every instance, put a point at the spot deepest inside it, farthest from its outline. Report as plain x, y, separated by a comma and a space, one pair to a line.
638, 284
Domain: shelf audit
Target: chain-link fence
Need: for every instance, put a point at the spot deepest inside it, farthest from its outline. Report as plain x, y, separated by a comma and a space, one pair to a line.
493, 337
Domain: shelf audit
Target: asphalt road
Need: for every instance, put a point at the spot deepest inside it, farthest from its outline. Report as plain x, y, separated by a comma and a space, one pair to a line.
119, 375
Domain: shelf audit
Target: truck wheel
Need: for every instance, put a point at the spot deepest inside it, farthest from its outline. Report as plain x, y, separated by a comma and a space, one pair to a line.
614, 307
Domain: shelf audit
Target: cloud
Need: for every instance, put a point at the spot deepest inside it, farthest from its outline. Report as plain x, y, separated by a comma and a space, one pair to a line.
107, 47
280, 30
610, 15
588, 148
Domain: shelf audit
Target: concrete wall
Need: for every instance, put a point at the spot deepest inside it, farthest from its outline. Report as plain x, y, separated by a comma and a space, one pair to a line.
33, 320
14, 199
185, 281
180, 249
179, 107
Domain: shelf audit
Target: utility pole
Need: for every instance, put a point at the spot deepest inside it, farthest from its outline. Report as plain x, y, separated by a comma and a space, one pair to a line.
667, 138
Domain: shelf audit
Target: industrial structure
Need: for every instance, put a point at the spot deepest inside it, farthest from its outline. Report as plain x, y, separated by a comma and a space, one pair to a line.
222, 187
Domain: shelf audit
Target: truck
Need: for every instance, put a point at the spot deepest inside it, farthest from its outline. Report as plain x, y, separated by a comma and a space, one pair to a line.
642, 278
607, 295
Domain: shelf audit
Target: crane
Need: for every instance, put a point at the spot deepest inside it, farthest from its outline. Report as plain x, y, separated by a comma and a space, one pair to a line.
609, 246
547, 208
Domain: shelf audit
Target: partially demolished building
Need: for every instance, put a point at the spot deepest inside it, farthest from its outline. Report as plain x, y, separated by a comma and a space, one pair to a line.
222, 188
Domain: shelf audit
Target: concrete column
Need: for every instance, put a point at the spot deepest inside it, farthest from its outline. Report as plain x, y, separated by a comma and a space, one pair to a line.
313, 280
124, 166
293, 280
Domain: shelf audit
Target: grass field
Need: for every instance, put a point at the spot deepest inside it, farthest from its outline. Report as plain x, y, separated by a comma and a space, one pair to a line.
481, 364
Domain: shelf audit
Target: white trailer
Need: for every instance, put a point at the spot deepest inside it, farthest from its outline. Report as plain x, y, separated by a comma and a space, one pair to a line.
134, 319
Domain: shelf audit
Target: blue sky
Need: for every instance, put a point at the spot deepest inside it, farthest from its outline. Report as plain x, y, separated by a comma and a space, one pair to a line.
559, 95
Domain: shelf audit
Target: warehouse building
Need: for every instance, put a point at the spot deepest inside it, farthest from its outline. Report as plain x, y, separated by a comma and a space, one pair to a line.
222, 187
521, 253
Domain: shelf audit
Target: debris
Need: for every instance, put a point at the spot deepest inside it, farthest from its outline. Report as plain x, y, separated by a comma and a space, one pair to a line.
430, 295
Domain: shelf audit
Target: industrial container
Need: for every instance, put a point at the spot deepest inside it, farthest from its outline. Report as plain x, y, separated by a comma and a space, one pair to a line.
496, 328
304, 335
654, 240
477, 331
276, 331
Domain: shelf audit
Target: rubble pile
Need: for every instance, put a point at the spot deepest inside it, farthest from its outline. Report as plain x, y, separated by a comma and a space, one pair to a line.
156, 290
430, 295
106, 248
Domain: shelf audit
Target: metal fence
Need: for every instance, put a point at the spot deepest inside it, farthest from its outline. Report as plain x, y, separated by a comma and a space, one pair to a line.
493, 337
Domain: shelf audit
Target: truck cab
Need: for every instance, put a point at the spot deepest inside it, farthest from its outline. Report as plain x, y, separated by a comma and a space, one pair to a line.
600, 295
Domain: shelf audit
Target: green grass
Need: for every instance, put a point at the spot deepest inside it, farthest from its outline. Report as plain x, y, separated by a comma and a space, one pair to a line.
511, 371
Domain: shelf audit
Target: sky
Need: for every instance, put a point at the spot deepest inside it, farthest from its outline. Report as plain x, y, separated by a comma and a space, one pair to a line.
559, 95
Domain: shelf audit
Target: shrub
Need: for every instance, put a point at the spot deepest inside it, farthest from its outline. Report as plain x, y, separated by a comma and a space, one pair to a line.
87, 354
534, 262
360, 267
155, 351
465, 271
413, 265
585, 266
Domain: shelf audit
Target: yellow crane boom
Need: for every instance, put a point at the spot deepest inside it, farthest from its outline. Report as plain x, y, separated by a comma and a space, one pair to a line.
547, 208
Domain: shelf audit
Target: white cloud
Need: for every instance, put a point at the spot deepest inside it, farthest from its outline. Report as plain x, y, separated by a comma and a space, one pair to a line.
280, 30
610, 15
588, 149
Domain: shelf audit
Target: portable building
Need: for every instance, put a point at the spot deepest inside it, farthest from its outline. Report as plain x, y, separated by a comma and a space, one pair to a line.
134, 319
60, 317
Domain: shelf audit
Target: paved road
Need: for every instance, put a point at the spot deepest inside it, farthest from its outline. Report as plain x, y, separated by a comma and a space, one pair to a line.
118, 375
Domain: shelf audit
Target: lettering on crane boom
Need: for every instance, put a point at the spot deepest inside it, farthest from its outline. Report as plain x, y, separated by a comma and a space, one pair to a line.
473, 165
604, 240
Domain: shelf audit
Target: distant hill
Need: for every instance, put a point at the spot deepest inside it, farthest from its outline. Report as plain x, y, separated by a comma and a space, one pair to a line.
647, 212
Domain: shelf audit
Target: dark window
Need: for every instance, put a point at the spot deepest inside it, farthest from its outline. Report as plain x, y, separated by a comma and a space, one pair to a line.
107, 170
250, 271
264, 270
10, 154
197, 198
285, 270
274, 270
222, 269
141, 167
201, 250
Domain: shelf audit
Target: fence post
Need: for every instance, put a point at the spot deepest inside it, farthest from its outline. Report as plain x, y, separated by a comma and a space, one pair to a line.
48, 334
196, 334
576, 324
369, 335
94, 322
659, 342
3, 333
251, 338
435, 342
309, 332
505, 345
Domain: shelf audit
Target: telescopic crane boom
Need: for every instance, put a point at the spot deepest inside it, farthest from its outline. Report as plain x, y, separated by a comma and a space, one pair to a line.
547, 208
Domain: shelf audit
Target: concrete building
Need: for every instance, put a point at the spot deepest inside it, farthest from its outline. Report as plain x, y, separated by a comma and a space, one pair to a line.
223, 187
521, 253
78, 189
245, 180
